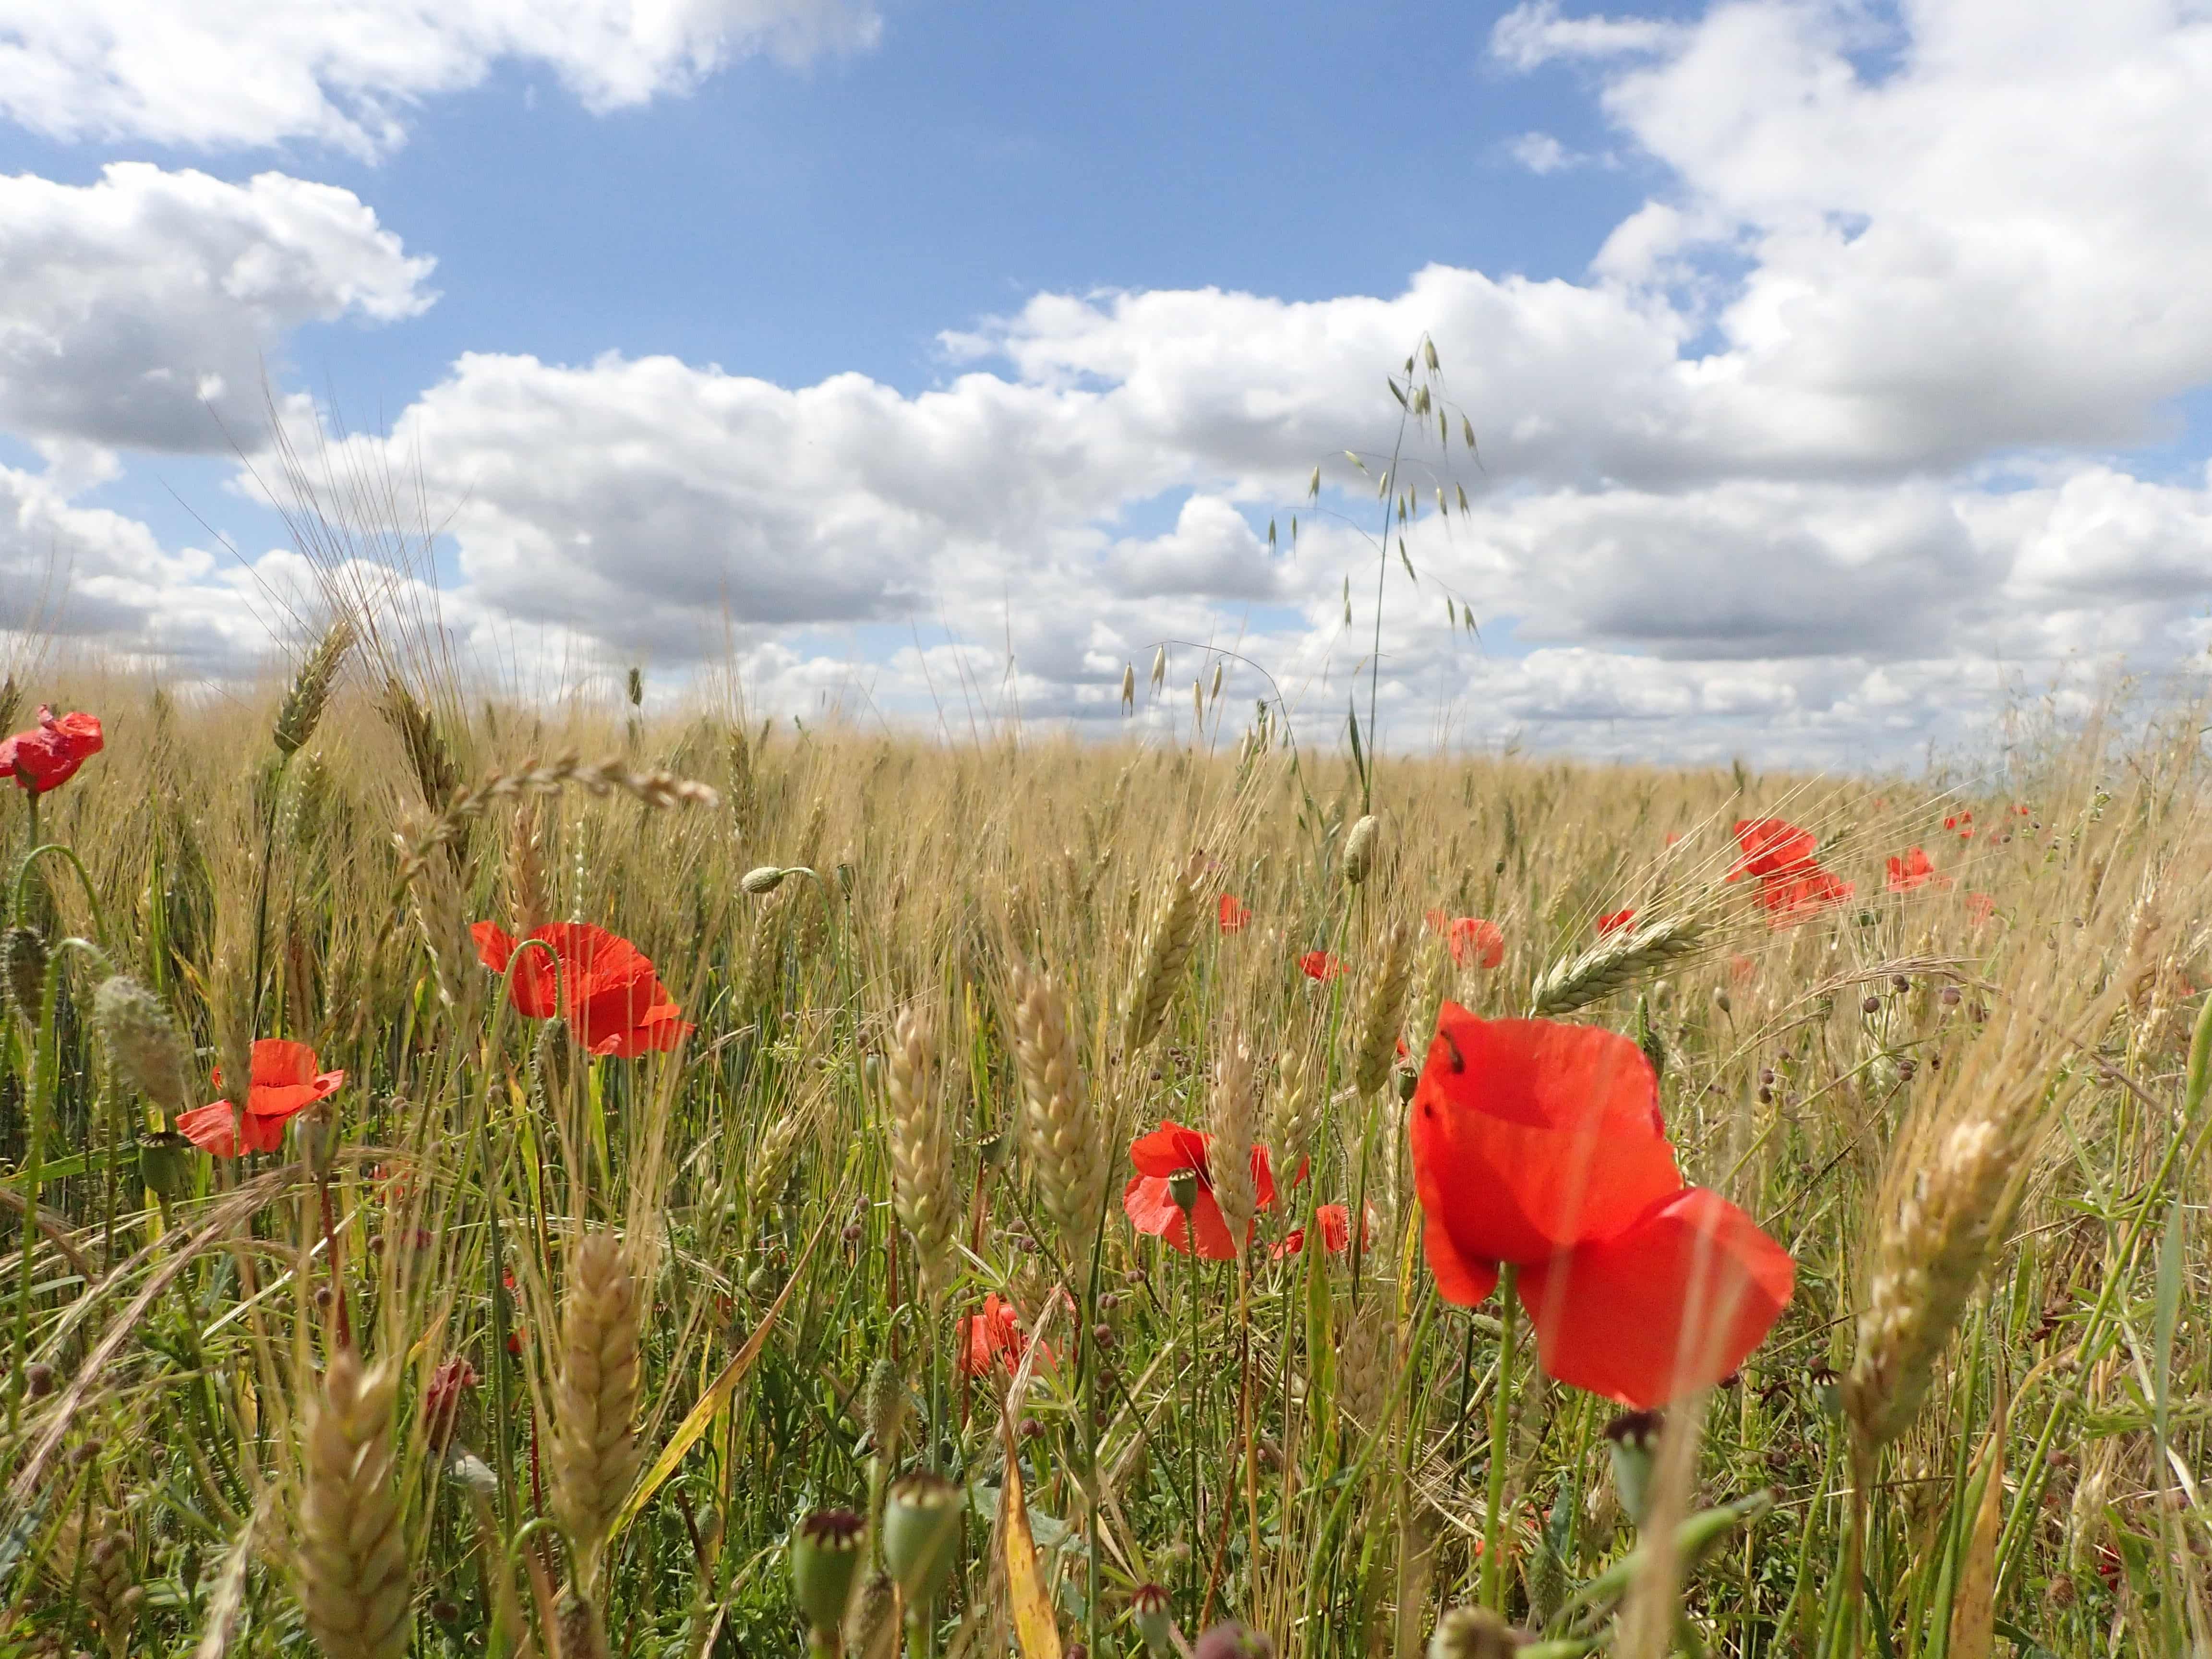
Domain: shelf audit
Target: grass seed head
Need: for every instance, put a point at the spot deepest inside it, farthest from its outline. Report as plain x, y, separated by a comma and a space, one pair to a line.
309, 694
595, 1450
352, 1557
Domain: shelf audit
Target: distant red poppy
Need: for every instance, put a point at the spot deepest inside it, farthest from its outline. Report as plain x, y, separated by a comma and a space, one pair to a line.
284, 1084
1980, 907
1742, 970
1234, 915
1615, 922
1149, 1202
47, 756
1914, 870
1542, 1145
1471, 939
1789, 900
993, 1338
441, 1399
1319, 964
615, 1004
1772, 847
1335, 1221
1673, 837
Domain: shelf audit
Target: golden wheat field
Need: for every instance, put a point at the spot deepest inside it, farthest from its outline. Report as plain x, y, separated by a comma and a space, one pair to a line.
712, 1188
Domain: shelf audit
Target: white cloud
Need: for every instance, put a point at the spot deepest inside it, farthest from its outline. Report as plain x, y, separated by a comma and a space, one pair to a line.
1541, 154
1533, 34
138, 312
220, 73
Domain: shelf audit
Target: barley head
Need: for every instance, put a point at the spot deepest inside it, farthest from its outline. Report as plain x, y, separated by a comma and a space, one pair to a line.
309, 694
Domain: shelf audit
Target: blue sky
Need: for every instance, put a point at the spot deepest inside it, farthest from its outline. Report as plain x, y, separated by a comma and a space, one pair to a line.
1821, 308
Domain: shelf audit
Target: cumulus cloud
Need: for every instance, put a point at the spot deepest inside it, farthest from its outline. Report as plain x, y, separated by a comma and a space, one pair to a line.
226, 74
138, 312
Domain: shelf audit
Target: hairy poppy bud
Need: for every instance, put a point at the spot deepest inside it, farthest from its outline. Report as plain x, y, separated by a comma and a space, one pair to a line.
825, 1558
765, 879
142, 1041
884, 1409
165, 1163
1634, 1437
921, 1525
1359, 850
23, 957
1148, 1606
1471, 1633
1230, 1640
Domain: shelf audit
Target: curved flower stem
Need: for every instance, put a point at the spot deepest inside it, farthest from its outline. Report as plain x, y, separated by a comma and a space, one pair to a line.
1501, 1429
23, 879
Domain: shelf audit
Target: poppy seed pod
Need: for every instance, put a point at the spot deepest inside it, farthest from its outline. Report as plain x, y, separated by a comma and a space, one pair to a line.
1471, 1633
825, 1558
1633, 1437
165, 1164
23, 959
1183, 1187
762, 878
1148, 1606
1359, 850
921, 1525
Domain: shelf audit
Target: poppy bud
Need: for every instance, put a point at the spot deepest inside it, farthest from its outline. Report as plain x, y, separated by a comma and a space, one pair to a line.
921, 1525
165, 1164
884, 1409
1471, 1633
1230, 1640
142, 1040
825, 1558
1359, 851
318, 1139
23, 959
1634, 1437
765, 879
1148, 1606
1183, 1187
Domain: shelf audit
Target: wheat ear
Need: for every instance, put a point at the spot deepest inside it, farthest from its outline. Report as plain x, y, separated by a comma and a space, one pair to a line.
1383, 1011
1615, 962
921, 1150
1230, 1120
595, 1451
1166, 950
309, 694
1063, 1139
353, 1555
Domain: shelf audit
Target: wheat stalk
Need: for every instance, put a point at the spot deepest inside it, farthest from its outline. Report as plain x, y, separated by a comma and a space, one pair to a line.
352, 1556
921, 1150
1063, 1136
1166, 950
1614, 963
595, 1450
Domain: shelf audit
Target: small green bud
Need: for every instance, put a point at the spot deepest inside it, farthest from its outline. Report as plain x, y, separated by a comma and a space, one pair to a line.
1634, 1437
921, 1525
165, 1163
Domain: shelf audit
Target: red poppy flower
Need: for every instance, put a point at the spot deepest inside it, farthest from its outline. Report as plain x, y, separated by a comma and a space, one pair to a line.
1772, 847
1673, 838
1914, 870
1473, 938
1335, 1233
615, 1004
441, 1399
1789, 900
992, 1337
285, 1083
1616, 922
47, 756
1168, 1151
1542, 1145
1744, 969
1980, 907
1234, 915
1319, 964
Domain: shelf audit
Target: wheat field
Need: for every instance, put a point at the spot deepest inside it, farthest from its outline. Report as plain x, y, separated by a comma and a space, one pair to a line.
816, 1285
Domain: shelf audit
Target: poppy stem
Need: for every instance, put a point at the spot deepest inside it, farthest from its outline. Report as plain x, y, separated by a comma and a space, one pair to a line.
1501, 1429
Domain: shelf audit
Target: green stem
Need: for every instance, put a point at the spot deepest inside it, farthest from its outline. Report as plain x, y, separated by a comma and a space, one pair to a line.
1501, 1429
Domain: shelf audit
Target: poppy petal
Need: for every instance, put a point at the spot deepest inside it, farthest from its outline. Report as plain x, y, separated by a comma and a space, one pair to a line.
1149, 1206
280, 1064
495, 946
1529, 1137
213, 1128
1168, 1148
1461, 1280
1673, 1304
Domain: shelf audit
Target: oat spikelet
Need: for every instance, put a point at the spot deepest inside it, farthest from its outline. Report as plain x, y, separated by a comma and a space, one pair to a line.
1614, 963
1230, 1119
1383, 1011
352, 1558
595, 1450
1065, 1141
309, 694
921, 1150
1166, 952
